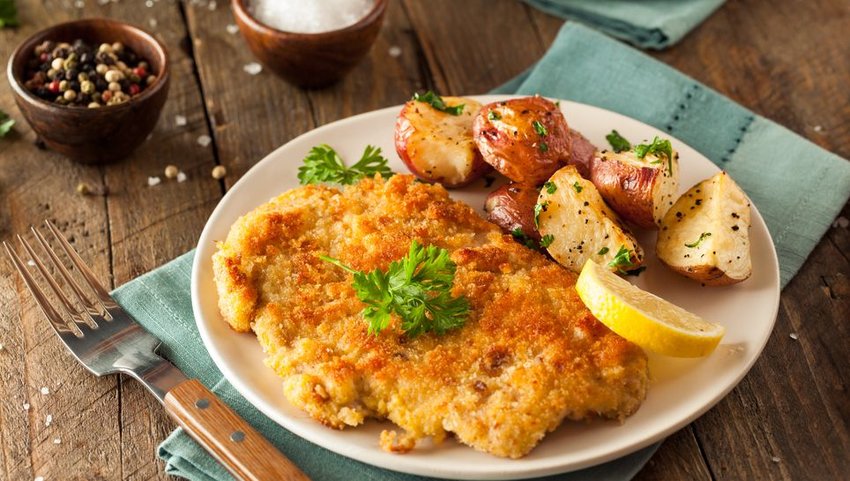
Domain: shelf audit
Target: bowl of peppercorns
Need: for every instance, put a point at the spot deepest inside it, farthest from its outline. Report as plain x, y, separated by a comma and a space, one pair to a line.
91, 89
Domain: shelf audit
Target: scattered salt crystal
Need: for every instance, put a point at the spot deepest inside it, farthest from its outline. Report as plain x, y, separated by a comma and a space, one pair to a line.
793, 336
57, 441
233, 29
204, 140
45, 390
181, 176
48, 420
153, 23
1, 346
395, 51
180, 120
149, 3
817, 128
841, 222
253, 68
31, 263
310, 17
152, 181
775, 459
39, 478
26, 406
212, 5
79, 4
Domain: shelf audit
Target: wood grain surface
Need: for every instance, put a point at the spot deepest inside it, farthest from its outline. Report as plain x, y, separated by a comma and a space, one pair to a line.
788, 419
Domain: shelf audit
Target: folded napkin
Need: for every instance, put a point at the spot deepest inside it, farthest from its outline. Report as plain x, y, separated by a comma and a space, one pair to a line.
654, 24
588, 67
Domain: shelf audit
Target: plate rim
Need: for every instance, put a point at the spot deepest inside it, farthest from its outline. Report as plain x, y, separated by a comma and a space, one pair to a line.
542, 467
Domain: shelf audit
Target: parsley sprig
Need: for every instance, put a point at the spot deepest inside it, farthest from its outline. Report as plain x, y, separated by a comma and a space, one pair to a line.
416, 288
697, 242
622, 260
437, 102
323, 164
659, 147
8, 14
618, 142
6, 123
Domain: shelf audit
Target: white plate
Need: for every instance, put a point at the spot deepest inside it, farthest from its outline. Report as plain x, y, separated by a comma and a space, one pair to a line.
680, 391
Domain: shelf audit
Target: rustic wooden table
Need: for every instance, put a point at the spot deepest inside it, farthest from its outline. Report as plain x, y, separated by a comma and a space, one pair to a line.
788, 419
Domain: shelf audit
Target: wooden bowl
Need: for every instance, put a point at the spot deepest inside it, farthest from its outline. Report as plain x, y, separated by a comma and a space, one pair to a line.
88, 135
310, 60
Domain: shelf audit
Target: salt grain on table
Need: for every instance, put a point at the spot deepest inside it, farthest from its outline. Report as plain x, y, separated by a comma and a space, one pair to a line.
181, 177
45, 390
395, 51
39, 478
233, 29
152, 181
793, 336
48, 420
253, 68
26, 406
57, 441
204, 140
31, 263
818, 128
775, 459
180, 120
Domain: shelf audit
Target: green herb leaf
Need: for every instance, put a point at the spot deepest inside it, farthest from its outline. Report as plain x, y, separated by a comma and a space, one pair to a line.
602, 251
659, 147
437, 102
543, 147
493, 115
540, 128
547, 240
6, 124
578, 187
618, 142
323, 164
417, 288
8, 14
697, 242
523, 239
538, 208
622, 260
550, 187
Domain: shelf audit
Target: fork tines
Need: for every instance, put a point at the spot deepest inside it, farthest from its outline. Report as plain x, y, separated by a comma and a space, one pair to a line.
80, 309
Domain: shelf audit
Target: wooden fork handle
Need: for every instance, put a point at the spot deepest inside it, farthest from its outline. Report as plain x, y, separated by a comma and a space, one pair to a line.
224, 434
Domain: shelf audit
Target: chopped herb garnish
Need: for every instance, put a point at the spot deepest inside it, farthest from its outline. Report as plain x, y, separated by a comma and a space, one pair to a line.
8, 14
417, 288
550, 187
323, 164
547, 240
6, 122
578, 187
697, 242
602, 251
437, 102
618, 142
622, 260
659, 147
523, 239
493, 115
543, 147
540, 128
538, 208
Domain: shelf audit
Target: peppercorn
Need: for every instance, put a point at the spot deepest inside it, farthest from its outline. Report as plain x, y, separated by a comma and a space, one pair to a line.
70, 95
87, 87
83, 188
114, 87
171, 172
57, 63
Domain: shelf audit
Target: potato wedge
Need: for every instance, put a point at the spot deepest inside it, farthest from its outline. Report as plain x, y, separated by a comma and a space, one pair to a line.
511, 207
582, 227
640, 190
705, 235
526, 139
438, 146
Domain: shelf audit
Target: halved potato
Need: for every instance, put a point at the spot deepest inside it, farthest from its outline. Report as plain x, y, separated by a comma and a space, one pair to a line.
438, 146
511, 207
526, 139
582, 153
582, 227
640, 190
705, 235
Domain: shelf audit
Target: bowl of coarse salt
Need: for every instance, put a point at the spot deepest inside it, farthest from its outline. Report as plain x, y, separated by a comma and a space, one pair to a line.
309, 43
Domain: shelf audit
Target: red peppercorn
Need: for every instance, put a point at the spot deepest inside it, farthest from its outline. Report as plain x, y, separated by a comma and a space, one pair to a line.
106, 96
43, 57
141, 72
134, 89
53, 86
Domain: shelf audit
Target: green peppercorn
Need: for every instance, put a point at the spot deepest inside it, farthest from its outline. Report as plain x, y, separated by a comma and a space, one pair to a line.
64, 85
87, 87
70, 95
82, 77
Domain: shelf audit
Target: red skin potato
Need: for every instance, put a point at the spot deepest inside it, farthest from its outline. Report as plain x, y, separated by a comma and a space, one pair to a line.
511, 207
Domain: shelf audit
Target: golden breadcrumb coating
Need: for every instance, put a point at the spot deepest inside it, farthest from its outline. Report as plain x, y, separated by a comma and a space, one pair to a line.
529, 355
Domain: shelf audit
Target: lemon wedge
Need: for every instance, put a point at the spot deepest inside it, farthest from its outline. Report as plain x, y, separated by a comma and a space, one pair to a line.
643, 318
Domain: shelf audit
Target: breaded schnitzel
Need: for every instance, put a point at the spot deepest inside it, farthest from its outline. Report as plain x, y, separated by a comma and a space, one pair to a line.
529, 355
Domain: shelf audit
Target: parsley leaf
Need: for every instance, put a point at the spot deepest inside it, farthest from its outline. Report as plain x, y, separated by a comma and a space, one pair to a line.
543, 147
538, 208
417, 288
8, 14
547, 240
540, 128
622, 260
493, 115
578, 187
323, 164
437, 102
523, 239
618, 142
659, 147
602, 251
697, 242
550, 187
6, 123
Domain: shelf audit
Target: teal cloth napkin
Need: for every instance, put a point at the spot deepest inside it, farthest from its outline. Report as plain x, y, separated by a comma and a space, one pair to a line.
654, 24
798, 187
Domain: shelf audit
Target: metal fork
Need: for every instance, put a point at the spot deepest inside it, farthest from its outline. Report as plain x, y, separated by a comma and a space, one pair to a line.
107, 340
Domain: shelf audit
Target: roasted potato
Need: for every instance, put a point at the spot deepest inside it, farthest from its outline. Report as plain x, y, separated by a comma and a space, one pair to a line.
526, 139
582, 153
575, 223
437, 146
641, 190
705, 235
511, 207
